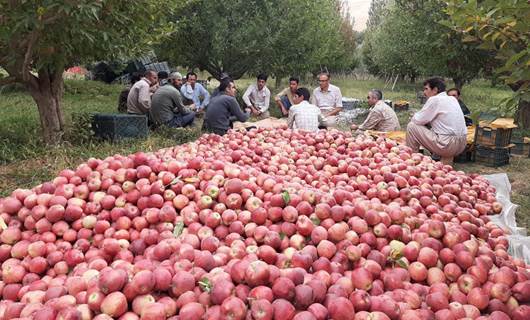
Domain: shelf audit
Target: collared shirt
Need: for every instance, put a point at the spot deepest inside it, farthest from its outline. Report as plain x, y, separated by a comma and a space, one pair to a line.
381, 118
327, 100
139, 98
444, 115
259, 98
285, 92
166, 103
304, 116
195, 94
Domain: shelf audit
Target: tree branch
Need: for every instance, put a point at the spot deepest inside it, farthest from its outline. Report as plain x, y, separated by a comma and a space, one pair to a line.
7, 80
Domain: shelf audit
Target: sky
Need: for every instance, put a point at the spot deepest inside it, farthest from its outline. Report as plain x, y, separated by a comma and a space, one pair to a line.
359, 10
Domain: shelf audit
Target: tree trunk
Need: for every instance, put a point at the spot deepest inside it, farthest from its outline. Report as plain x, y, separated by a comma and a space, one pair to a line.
459, 83
278, 82
522, 115
47, 91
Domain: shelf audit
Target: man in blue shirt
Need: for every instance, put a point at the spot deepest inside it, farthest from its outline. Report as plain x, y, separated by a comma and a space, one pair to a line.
194, 91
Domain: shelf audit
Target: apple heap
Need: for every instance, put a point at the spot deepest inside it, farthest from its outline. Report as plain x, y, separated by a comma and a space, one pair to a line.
265, 224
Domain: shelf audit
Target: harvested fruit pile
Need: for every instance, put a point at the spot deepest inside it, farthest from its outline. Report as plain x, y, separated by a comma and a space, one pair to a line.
266, 224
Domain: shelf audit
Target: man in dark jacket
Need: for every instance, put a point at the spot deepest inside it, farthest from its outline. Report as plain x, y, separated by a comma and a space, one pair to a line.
454, 92
166, 105
222, 108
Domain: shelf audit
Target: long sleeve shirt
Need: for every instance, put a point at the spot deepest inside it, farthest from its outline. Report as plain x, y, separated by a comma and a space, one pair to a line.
139, 98
220, 110
285, 92
444, 115
381, 118
260, 99
195, 94
166, 103
304, 116
328, 99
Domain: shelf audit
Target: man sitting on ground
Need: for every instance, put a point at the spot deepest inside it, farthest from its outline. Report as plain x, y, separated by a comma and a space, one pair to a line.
381, 117
303, 115
258, 96
222, 108
162, 78
222, 77
166, 106
194, 91
122, 100
284, 99
328, 98
139, 98
446, 136
454, 92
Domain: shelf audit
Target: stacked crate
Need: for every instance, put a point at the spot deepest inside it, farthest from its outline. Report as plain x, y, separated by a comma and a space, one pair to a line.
492, 142
521, 146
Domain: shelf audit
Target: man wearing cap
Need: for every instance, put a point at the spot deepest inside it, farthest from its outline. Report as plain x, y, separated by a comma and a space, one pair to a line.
328, 98
166, 106
381, 117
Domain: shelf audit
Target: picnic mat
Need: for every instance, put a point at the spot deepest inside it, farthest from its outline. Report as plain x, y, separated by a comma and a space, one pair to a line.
265, 123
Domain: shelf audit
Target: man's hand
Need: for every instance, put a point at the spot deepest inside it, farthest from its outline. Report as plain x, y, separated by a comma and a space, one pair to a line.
284, 111
248, 110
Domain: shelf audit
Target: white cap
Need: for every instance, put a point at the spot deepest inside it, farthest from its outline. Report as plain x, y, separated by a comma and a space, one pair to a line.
175, 75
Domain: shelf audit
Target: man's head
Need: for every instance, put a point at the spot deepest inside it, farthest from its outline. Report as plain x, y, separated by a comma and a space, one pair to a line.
151, 76
323, 80
162, 75
433, 86
293, 83
454, 92
374, 95
300, 95
228, 87
191, 78
175, 78
262, 80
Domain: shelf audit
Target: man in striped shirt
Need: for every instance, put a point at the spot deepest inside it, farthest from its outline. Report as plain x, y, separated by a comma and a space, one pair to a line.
303, 115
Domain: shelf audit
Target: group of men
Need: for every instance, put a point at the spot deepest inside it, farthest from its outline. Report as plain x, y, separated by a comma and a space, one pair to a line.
440, 126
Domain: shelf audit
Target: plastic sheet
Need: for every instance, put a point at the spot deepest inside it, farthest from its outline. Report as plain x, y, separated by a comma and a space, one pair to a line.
519, 241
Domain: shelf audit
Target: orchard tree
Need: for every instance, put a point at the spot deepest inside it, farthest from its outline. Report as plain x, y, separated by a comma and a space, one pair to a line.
39, 39
280, 37
502, 26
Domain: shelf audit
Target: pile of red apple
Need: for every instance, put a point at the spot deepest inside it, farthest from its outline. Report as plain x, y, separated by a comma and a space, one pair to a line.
266, 224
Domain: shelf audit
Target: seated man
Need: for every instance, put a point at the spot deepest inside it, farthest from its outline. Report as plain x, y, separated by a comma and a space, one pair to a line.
193, 91
284, 99
162, 78
222, 109
139, 98
454, 92
222, 77
166, 105
122, 100
303, 115
328, 98
381, 117
258, 96
446, 136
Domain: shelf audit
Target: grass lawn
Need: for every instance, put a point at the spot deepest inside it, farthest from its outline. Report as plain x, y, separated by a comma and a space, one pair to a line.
26, 162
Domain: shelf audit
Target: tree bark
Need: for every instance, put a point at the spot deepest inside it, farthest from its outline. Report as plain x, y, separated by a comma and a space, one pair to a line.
47, 91
522, 115
278, 82
459, 83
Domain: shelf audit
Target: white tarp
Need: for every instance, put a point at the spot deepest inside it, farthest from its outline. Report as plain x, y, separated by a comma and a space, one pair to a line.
519, 241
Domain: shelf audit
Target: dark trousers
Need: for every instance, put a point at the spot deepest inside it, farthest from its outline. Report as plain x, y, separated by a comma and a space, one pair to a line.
181, 120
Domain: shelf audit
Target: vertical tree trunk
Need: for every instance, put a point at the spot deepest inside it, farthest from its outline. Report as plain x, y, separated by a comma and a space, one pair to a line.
47, 91
278, 82
459, 83
522, 115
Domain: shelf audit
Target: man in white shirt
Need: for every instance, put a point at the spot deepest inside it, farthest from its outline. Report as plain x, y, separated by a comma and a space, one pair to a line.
195, 92
303, 115
328, 98
381, 117
446, 134
139, 98
258, 96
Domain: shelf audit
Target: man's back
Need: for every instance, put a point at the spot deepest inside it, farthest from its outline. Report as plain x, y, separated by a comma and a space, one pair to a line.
389, 120
219, 111
136, 100
444, 115
163, 104
304, 116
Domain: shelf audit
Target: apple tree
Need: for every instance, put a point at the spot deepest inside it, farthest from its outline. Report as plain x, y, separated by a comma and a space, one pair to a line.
39, 39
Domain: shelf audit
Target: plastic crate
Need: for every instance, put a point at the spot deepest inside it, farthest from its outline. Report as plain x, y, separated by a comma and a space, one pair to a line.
350, 103
465, 156
521, 148
492, 137
119, 126
492, 157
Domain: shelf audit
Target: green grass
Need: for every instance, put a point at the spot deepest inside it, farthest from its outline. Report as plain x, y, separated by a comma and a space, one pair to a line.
26, 162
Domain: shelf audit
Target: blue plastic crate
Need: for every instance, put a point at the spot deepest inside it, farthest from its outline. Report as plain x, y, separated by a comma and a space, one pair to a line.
120, 126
